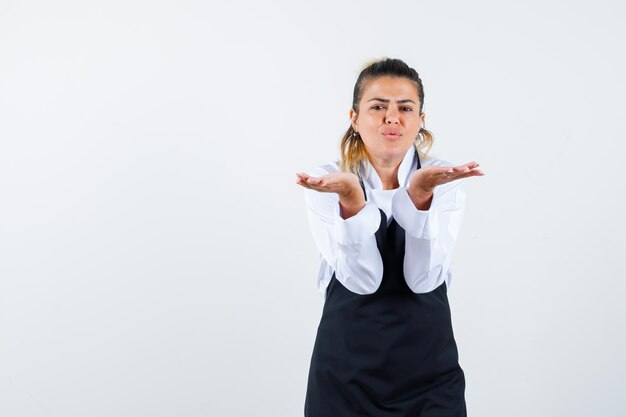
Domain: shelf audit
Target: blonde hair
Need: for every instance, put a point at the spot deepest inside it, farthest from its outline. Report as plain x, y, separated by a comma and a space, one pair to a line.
352, 149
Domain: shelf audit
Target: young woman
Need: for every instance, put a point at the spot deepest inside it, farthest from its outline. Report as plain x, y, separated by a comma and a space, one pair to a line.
385, 219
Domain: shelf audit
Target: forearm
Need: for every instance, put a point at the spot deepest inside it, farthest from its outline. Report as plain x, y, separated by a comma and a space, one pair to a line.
420, 198
431, 235
348, 245
350, 204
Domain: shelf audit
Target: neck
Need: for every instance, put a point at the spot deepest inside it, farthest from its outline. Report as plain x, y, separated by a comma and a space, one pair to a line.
387, 170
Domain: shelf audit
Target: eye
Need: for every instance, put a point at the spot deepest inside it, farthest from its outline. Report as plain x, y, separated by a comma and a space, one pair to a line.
378, 107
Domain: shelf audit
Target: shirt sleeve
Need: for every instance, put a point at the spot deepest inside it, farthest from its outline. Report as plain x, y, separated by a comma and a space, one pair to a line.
430, 234
347, 245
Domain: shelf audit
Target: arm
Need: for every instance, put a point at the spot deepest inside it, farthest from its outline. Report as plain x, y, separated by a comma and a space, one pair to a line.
431, 234
347, 245
430, 210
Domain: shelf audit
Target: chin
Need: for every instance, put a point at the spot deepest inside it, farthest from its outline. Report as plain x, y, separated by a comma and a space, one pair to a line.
390, 149
397, 145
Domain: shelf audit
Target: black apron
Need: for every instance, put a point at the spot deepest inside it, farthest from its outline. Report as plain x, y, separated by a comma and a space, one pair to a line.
390, 353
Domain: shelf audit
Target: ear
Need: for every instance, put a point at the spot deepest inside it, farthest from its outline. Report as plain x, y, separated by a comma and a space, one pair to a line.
422, 119
353, 117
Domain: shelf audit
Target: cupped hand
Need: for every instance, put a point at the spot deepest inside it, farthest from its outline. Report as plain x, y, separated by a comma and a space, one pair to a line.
345, 184
423, 181
426, 179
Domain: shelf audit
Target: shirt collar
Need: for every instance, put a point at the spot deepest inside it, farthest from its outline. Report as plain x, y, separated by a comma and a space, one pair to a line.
407, 166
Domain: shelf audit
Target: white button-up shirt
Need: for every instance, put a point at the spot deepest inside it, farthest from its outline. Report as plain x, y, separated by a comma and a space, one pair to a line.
348, 247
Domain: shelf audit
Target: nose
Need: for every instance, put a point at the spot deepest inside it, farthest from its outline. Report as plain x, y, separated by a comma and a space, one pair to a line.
392, 116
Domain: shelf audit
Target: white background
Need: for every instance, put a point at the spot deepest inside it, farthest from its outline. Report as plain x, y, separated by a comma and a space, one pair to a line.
155, 255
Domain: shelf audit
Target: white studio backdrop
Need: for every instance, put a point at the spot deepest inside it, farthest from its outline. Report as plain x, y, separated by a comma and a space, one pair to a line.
155, 255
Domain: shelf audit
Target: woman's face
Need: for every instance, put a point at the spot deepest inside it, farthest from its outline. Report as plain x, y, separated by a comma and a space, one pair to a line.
388, 119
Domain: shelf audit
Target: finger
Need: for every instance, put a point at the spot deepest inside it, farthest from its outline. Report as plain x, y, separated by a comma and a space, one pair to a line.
299, 181
449, 176
307, 178
462, 171
472, 164
473, 173
304, 175
313, 187
451, 173
317, 184
465, 167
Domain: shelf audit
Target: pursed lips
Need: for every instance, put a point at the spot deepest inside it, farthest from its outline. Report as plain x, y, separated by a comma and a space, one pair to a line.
391, 134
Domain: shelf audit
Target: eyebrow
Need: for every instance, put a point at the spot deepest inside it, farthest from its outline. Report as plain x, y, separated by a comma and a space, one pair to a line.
384, 100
